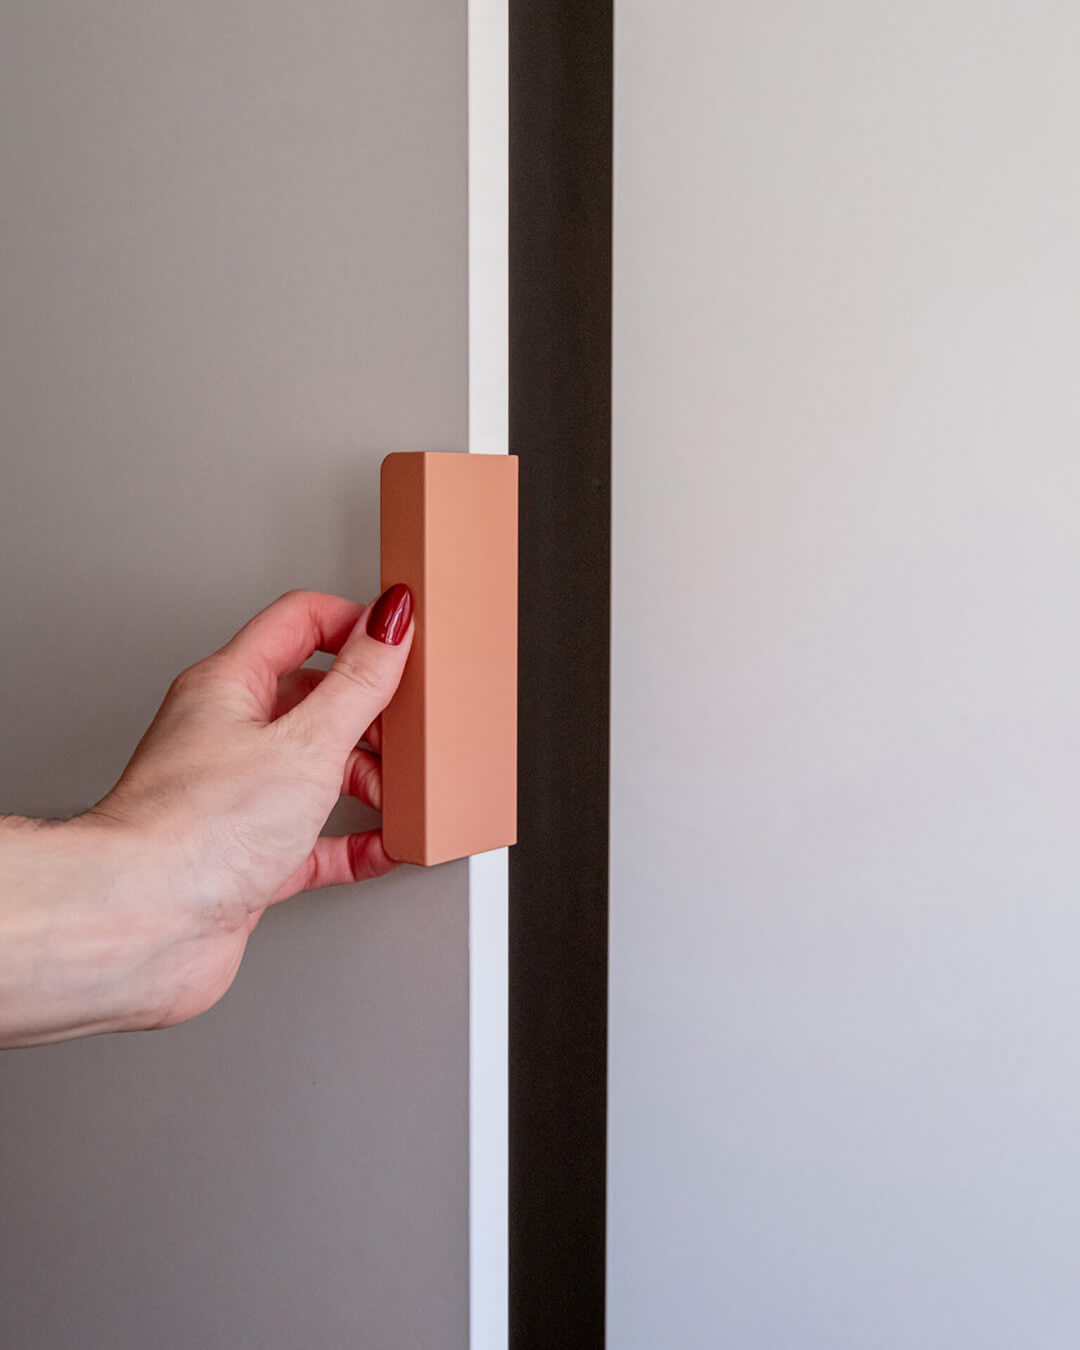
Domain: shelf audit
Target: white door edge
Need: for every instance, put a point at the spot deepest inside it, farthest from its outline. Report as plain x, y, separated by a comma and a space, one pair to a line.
488, 206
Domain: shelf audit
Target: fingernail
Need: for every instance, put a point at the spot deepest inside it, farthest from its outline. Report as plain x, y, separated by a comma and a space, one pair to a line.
389, 618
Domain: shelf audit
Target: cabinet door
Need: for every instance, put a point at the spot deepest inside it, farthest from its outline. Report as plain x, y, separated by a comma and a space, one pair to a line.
845, 1013
235, 276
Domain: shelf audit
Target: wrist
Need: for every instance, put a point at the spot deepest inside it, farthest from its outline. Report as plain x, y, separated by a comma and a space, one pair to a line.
71, 930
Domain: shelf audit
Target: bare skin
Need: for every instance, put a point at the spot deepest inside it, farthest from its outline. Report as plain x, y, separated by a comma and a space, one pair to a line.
136, 914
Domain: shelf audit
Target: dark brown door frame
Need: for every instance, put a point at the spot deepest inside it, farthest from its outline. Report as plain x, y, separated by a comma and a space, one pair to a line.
560, 427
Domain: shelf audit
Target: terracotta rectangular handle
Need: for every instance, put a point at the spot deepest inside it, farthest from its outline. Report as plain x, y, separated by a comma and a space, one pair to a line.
449, 531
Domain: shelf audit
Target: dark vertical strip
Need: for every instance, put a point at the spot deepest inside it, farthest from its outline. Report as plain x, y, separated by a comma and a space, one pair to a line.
560, 424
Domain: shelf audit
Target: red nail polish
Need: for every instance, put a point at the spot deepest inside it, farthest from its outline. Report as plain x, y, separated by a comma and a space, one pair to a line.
389, 618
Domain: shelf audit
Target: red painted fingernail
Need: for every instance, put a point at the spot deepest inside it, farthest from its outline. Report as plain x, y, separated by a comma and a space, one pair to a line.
389, 618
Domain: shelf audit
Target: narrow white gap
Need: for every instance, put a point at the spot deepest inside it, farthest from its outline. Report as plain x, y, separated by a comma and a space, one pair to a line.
489, 218
488, 111
488, 1141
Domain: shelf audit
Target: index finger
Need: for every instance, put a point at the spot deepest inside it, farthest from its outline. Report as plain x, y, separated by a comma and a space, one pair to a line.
350, 697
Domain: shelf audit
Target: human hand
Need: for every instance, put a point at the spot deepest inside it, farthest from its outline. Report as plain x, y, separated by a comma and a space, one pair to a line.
217, 816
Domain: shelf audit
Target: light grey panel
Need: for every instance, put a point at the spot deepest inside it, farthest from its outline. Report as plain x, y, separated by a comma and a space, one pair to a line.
845, 927
232, 277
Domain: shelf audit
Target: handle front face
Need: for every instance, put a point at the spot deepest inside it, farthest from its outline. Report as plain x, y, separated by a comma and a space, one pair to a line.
449, 532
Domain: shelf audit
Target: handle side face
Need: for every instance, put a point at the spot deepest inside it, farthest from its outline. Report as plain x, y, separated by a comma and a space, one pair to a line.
449, 531
403, 722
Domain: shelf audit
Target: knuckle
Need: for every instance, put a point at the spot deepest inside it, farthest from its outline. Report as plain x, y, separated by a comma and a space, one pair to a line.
358, 849
297, 595
365, 781
198, 677
363, 677
188, 681
367, 857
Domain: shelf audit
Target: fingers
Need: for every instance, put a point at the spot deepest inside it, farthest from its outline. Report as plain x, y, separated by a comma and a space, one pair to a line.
338, 860
282, 637
362, 681
362, 778
352, 857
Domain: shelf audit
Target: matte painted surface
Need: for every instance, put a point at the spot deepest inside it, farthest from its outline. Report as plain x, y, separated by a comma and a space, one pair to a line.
449, 532
845, 923
234, 277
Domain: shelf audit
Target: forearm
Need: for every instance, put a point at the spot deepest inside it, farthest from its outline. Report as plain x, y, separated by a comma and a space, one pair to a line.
69, 939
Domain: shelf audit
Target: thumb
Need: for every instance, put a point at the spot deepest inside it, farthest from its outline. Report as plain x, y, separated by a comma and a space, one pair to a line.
365, 675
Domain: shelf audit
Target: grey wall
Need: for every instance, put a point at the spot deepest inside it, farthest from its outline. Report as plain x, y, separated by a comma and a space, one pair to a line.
232, 277
845, 994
